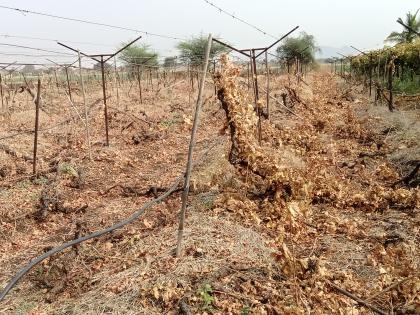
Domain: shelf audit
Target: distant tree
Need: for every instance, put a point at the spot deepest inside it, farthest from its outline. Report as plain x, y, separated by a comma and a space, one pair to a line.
406, 36
304, 47
139, 54
327, 60
28, 69
192, 50
97, 66
169, 62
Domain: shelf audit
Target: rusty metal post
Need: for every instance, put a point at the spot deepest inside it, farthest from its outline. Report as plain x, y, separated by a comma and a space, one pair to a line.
252, 73
116, 83
248, 75
105, 105
56, 80
390, 101
267, 85
256, 95
151, 78
38, 97
370, 74
164, 78
350, 67
139, 81
214, 72
82, 85
254, 64
68, 82
1, 92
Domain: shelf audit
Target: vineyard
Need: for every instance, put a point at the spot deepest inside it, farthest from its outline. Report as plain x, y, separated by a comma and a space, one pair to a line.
392, 72
228, 185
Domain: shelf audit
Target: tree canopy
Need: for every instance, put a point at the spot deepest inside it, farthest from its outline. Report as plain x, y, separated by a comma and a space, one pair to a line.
139, 54
28, 69
192, 50
406, 35
304, 47
97, 66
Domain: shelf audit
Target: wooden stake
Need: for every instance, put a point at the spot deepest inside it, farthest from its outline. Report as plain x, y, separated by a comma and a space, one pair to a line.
191, 149
357, 299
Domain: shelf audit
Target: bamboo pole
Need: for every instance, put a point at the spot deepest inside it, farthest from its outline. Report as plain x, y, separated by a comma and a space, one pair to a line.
191, 148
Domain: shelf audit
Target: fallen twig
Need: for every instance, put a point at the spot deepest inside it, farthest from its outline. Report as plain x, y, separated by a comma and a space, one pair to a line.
357, 299
184, 309
278, 102
392, 286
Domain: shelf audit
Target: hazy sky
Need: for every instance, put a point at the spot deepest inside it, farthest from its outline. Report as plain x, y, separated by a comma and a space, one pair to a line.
334, 23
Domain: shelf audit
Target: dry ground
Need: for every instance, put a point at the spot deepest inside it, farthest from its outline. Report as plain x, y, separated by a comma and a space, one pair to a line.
239, 258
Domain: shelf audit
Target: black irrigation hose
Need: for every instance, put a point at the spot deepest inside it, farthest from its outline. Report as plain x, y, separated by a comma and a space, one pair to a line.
60, 248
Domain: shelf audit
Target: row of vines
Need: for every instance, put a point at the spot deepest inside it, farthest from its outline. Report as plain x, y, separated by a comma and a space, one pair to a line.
403, 60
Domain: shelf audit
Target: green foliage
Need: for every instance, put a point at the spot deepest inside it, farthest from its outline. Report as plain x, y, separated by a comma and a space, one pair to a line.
97, 66
67, 169
407, 86
42, 180
403, 59
139, 54
167, 123
303, 47
406, 35
192, 51
246, 310
406, 55
28, 69
24, 184
4, 193
206, 296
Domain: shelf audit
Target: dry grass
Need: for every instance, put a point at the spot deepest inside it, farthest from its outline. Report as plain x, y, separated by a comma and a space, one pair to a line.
133, 271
